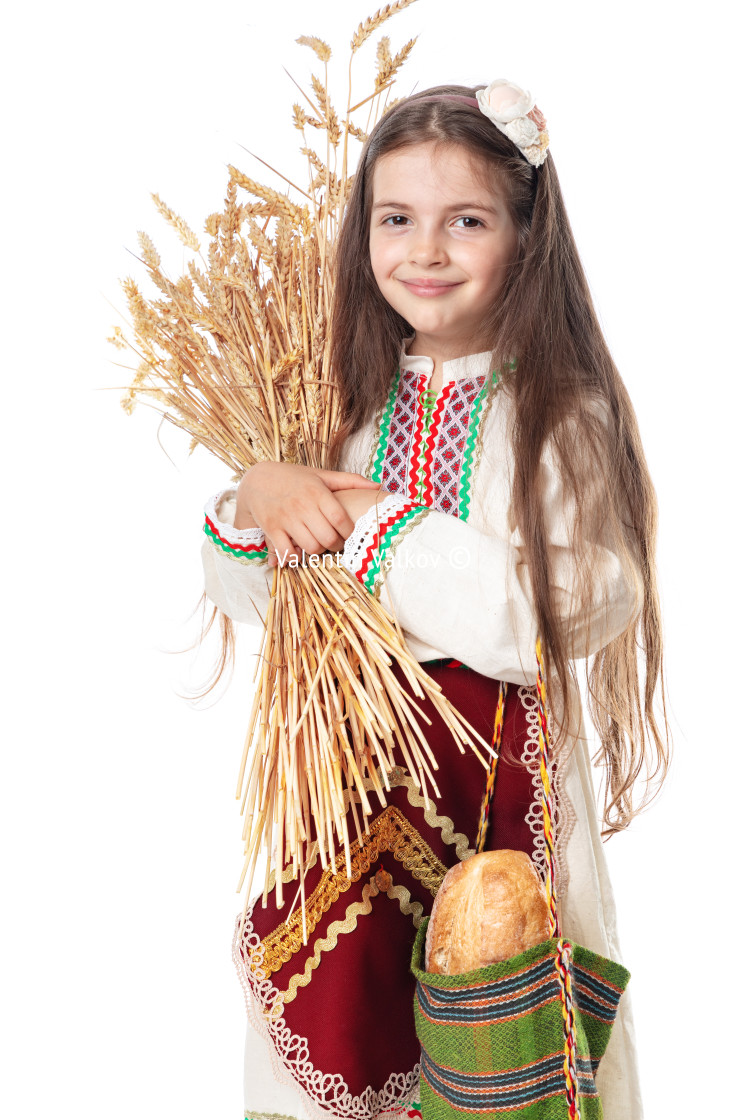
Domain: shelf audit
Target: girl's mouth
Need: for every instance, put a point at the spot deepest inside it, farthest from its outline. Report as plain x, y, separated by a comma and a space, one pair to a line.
430, 287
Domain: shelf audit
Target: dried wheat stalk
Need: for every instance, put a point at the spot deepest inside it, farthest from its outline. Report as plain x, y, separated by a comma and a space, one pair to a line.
236, 352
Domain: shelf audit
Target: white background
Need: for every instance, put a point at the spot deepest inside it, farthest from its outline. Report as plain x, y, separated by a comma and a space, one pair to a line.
121, 837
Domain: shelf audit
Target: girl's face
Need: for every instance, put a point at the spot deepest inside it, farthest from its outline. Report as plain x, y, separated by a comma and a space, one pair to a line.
441, 242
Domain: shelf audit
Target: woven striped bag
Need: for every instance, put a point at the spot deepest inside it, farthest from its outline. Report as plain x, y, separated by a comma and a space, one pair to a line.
523, 1037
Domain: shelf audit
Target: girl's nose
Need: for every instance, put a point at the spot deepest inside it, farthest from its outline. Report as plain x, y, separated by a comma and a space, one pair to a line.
427, 249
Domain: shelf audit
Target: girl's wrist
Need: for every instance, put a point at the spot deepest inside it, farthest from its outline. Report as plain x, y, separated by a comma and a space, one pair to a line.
243, 518
356, 502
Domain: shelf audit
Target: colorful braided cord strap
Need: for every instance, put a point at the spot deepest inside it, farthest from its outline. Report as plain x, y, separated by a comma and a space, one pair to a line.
562, 958
547, 805
544, 765
522, 1037
487, 801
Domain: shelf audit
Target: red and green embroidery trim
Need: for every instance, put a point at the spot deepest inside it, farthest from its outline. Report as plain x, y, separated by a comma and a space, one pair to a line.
432, 419
371, 566
416, 473
251, 553
384, 425
468, 459
430, 410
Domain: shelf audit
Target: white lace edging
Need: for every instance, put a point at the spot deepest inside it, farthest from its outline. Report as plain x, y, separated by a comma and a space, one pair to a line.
565, 816
400, 531
323, 1096
239, 537
366, 527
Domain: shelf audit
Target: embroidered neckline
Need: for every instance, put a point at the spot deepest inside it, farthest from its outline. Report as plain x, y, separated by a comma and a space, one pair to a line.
465, 367
427, 444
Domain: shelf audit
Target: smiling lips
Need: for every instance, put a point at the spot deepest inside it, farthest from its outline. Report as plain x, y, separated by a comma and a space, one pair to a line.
421, 287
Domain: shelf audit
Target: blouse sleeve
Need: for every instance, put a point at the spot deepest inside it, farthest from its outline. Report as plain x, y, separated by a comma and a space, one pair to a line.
467, 593
237, 576
238, 579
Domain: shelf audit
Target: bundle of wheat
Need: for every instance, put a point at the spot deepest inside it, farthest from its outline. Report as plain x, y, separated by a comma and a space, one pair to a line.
237, 353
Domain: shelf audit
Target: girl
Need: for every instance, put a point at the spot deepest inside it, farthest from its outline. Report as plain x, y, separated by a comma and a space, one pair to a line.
492, 487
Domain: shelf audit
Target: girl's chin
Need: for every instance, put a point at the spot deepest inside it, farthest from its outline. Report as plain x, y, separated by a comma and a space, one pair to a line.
445, 336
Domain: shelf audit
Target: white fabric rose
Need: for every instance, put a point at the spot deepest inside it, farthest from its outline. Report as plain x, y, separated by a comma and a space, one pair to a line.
523, 132
534, 154
503, 101
508, 106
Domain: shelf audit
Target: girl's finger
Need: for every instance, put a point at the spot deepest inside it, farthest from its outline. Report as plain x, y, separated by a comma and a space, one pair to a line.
326, 534
303, 540
272, 559
281, 549
338, 517
311, 537
345, 480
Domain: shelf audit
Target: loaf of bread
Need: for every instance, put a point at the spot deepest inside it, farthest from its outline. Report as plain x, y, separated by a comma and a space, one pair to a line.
489, 908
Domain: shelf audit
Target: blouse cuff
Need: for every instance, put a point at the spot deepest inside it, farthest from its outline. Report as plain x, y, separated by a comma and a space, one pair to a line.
369, 550
248, 546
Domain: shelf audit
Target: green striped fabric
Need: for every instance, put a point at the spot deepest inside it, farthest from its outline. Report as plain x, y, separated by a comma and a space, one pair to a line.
493, 1040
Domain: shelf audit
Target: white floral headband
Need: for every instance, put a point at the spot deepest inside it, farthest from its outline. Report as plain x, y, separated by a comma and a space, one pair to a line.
513, 112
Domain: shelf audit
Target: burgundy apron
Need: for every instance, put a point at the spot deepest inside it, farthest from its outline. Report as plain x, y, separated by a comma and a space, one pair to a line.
343, 1003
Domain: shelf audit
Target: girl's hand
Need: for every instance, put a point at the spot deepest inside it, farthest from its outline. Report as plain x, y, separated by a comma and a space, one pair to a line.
357, 502
296, 508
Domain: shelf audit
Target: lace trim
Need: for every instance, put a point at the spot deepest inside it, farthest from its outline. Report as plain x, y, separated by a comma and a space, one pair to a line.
390, 542
252, 554
565, 817
323, 1095
381, 881
241, 538
366, 528
245, 545
389, 832
566, 814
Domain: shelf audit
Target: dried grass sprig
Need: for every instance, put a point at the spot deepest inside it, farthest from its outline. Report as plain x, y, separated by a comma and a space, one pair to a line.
185, 233
237, 353
388, 66
321, 49
368, 26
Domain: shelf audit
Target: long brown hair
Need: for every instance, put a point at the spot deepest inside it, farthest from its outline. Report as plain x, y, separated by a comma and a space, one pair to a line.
568, 402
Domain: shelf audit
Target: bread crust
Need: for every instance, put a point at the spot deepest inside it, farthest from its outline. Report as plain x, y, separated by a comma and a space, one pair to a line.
490, 907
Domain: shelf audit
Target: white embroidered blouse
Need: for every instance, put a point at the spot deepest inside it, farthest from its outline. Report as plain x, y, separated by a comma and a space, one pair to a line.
441, 551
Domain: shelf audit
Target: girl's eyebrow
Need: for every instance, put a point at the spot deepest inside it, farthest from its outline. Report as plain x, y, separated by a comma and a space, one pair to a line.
455, 206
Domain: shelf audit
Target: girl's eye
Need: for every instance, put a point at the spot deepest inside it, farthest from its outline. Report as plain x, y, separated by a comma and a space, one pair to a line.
469, 223
396, 220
